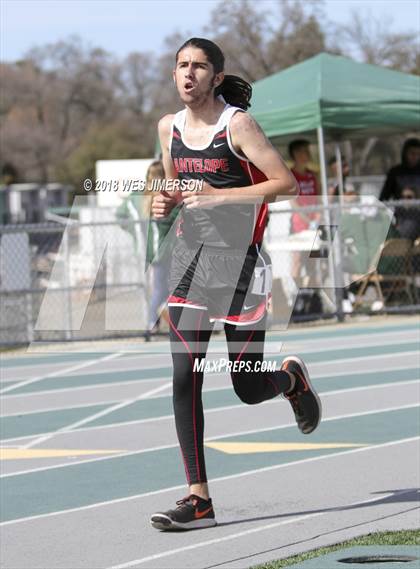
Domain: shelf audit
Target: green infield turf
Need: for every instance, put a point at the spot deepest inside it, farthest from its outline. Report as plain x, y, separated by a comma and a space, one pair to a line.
403, 537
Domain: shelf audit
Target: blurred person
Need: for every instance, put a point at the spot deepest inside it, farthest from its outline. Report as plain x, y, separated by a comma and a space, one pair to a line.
407, 218
219, 239
137, 207
334, 190
300, 154
9, 176
157, 254
350, 196
404, 175
5, 217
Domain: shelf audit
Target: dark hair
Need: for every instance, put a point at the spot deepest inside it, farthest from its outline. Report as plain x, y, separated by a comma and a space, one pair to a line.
154, 171
296, 144
409, 143
333, 160
235, 90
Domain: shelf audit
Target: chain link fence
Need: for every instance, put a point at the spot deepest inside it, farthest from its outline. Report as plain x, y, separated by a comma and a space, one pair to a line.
358, 255
76, 279
70, 281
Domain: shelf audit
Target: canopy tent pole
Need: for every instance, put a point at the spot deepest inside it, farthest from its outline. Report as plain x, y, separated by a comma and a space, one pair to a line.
333, 255
321, 150
339, 162
338, 212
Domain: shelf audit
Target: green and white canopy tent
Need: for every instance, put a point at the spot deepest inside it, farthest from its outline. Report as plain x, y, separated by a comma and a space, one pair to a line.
345, 98
335, 99
338, 99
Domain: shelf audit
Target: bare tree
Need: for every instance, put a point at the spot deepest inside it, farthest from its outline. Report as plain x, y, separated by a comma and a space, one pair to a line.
52, 96
370, 39
135, 83
164, 94
298, 34
66, 104
240, 28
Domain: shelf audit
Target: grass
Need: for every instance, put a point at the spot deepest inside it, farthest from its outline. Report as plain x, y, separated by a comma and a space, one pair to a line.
403, 537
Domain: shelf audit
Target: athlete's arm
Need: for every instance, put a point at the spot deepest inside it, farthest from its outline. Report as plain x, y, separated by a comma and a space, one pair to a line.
163, 202
249, 140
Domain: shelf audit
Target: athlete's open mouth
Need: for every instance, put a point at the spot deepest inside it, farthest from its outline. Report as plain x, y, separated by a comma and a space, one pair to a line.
189, 86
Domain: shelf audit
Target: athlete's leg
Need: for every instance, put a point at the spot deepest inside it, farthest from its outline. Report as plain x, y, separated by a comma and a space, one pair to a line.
246, 345
292, 379
190, 332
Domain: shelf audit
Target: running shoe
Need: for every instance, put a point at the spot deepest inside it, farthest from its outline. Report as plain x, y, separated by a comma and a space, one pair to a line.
192, 512
303, 398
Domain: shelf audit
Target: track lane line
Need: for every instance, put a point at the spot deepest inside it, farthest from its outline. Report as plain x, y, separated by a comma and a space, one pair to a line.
94, 416
48, 409
205, 390
210, 410
286, 350
238, 405
58, 373
166, 378
241, 534
215, 480
215, 437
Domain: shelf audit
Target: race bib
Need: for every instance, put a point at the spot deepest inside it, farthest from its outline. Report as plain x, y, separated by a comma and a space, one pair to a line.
263, 280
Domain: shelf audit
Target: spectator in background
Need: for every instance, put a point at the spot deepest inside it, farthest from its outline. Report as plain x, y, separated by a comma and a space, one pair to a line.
333, 191
136, 207
4, 205
158, 254
407, 218
404, 175
300, 153
8, 177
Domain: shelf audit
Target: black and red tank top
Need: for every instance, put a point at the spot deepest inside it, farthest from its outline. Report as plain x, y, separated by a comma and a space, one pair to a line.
218, 164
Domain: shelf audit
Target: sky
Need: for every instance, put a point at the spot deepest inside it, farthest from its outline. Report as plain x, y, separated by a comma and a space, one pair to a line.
124, 26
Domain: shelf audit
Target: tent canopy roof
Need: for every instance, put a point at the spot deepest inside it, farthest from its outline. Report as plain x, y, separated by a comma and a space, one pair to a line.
346, 98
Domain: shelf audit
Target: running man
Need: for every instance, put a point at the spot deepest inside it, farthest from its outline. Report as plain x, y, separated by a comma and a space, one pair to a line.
219, 271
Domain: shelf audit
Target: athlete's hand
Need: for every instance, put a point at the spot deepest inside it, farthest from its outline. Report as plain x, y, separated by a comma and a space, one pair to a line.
206, 198
162, 205
203, 202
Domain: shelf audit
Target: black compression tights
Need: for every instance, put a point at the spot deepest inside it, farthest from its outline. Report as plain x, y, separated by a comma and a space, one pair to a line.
189, 337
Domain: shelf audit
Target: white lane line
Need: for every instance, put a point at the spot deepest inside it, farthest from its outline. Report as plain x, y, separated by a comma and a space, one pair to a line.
214, 480
205, 390
244, 533
59, 408
286, 350
95, 416
214, 437
58, 372
360, 359
55, 364
165, 378
302, 335
211, 410
363, 342
238, 405
394, 384
117, 370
